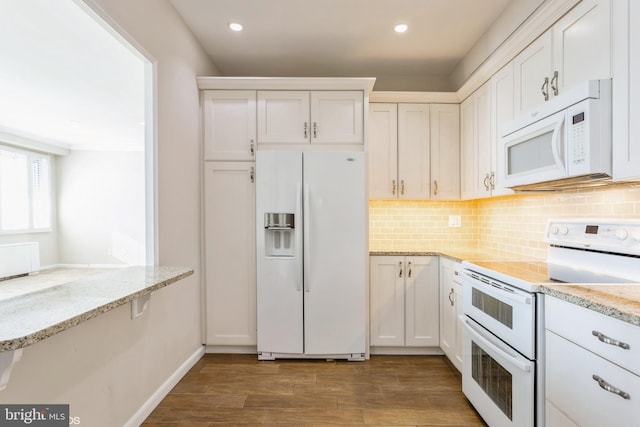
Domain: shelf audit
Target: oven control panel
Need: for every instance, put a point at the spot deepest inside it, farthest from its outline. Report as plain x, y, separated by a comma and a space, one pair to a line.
620, 236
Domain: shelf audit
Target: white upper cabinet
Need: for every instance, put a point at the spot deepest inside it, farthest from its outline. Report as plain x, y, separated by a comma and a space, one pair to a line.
502, 111
582, 43
383, 150
533, 71
445, 151
283, 116
414, 151
476, 173
336, 117
576, 48
414, 156
626, 90
317, 117
229, 124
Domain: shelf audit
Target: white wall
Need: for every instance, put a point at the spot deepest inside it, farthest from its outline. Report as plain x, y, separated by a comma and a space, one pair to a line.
101, 207
109, 366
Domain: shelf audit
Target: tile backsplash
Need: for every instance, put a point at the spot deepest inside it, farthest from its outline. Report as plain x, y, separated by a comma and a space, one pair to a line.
514, 223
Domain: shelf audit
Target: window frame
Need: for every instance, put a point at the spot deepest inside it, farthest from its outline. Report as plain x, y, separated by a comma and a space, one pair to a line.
31, 156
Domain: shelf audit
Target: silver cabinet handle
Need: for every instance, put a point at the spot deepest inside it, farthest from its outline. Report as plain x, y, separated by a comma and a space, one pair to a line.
485, 181
451, 297
409, 269
554, 86
611, 389
393, 187
545, 88
400, 267
252, 149
492, 180
252, 174
402, 186
315, 129
306, 132
435, 187
607, 340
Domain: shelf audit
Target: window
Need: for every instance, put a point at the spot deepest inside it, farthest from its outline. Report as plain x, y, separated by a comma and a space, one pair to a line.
25, 191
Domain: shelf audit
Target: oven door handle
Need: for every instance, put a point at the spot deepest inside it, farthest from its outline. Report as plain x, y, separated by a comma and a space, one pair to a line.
500, 293
523, 366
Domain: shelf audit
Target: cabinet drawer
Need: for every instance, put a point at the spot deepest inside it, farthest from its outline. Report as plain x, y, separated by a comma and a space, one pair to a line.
570, 385
582, 326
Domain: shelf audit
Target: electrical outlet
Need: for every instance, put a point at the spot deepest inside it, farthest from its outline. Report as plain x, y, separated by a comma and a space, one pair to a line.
455, 221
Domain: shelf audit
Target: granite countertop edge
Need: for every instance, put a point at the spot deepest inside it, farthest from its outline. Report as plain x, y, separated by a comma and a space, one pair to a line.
168, 276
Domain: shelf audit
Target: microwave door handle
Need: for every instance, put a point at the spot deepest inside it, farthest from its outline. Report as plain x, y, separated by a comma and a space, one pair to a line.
477, 335
557, 144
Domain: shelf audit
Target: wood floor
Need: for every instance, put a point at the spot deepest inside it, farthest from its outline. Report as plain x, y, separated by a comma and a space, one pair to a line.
383, 391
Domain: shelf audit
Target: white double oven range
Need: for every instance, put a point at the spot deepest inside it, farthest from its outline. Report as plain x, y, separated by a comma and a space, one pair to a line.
503, 345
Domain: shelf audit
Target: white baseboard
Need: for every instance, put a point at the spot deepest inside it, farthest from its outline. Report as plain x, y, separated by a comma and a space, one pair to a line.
410, 351
147, 408
232, 349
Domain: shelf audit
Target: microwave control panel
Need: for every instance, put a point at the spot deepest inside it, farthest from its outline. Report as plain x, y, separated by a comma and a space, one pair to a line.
577, 137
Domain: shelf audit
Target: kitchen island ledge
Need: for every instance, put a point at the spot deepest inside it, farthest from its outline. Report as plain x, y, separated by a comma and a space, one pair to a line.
33, 316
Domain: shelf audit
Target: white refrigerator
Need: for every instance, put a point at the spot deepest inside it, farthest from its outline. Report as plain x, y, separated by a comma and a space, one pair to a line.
311, 209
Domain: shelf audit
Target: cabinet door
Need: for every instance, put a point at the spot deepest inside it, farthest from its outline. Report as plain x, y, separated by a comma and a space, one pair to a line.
531, 67
468, 149
447, 308
283, 117
414, 156
457, 361
337, 117
421, 302
501, 113
229, 124
445, 151
483, 140
383, 151
387, 300
230, 255
626, 90
582, 43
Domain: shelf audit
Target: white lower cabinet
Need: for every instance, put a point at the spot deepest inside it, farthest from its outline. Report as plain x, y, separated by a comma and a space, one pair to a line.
450, 311
404, 302
230, 253
591, 368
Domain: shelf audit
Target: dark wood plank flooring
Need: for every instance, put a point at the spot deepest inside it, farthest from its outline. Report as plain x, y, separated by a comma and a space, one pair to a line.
383, 391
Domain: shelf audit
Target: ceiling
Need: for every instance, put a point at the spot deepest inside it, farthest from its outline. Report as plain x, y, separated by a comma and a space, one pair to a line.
66, 80
342, 38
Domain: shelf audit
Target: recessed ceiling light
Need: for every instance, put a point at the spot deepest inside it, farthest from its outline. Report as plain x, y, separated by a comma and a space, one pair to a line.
401, 28
234, 26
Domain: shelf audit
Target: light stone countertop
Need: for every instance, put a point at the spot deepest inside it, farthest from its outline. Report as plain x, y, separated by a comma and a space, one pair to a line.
620, 301
61, 299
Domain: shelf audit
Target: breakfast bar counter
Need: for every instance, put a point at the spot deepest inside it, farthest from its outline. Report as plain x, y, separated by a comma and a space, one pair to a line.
39, 308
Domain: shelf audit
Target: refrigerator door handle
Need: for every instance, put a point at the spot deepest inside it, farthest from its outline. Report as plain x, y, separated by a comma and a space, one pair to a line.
298, 238
306, 251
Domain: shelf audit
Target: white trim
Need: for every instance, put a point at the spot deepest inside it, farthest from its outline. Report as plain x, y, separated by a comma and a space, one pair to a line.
540, 21
287, 83
58, 149
154, 400
411, 351
232, 349
415, 97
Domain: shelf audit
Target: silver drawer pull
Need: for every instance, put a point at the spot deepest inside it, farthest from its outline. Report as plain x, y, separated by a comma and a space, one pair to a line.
605, 339
611, 389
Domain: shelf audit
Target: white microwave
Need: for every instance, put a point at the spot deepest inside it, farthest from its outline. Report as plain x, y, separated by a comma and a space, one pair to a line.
564, 143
